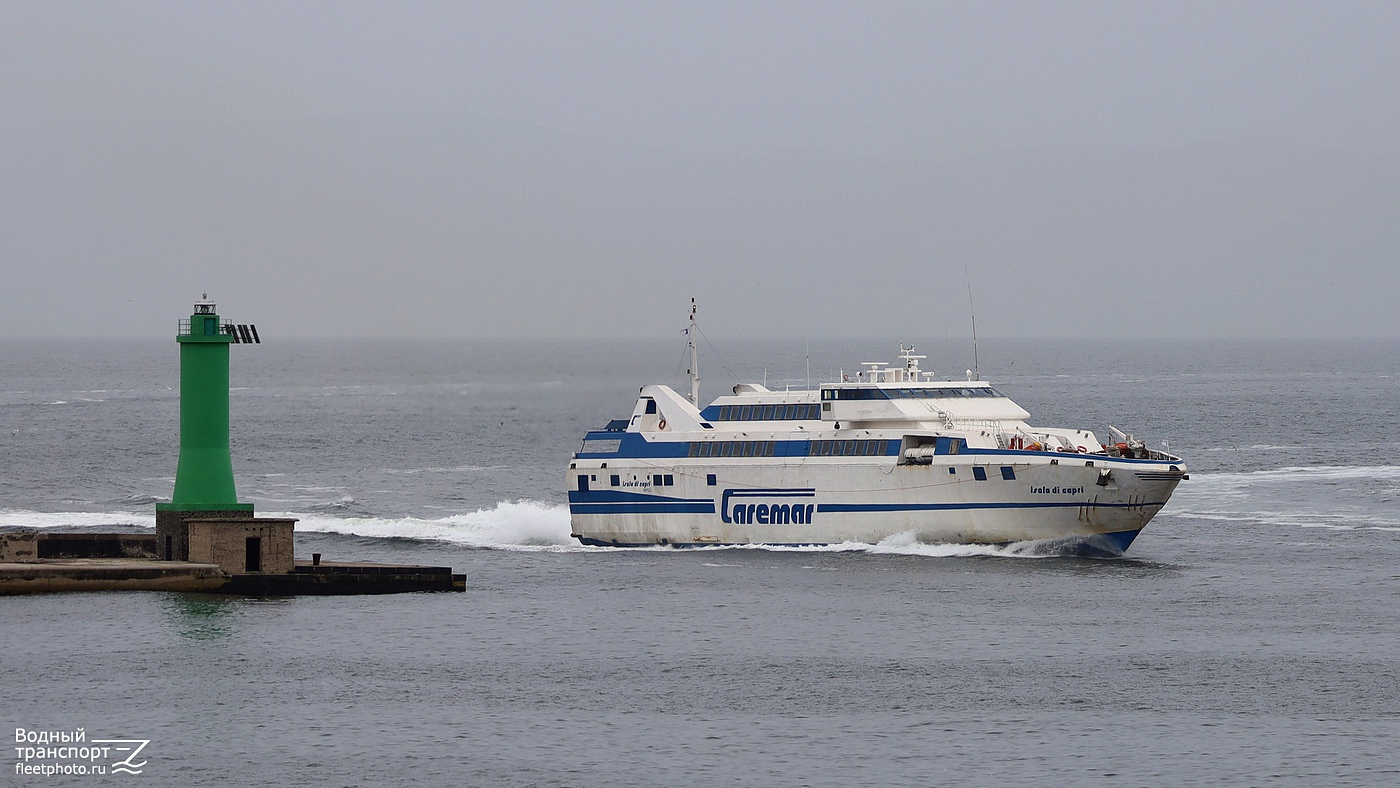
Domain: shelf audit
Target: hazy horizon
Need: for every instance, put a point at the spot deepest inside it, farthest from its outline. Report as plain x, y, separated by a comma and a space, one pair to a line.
1092, 169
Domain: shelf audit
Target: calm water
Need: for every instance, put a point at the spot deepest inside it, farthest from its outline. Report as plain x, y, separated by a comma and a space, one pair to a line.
1251, 636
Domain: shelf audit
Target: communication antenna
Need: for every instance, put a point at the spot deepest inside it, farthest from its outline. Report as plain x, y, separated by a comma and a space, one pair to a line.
694, 358
976, 370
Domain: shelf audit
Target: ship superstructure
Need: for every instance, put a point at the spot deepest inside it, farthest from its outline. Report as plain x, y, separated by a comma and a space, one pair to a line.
888, 451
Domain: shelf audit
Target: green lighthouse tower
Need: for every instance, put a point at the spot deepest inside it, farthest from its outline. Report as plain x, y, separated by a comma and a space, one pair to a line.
204, 477
205, 473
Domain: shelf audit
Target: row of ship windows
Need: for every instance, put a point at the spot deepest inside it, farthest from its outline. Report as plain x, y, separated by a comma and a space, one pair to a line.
843, 448
768, 412
668, 480
657, 480
943, 393
733, 449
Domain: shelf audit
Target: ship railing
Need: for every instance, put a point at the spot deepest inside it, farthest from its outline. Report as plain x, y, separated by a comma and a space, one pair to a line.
184, 329
1142, 452
937, 411
987, 427
1025, 439
1007, 440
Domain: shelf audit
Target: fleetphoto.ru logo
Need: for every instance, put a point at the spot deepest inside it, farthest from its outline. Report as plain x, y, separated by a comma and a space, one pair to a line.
44, 753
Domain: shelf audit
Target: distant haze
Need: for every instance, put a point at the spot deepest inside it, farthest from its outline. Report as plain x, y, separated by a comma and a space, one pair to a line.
803, 169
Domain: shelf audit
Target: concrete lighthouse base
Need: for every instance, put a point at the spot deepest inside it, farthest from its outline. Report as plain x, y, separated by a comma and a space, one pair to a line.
172, 529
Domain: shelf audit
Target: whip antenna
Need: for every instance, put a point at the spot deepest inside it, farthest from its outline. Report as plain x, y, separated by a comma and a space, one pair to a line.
809, 363
976, 370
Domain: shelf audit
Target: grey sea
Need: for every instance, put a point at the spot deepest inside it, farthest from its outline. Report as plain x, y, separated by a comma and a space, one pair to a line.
1251, 635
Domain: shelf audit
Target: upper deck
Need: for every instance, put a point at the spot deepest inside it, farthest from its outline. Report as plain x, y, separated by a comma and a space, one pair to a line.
885, 410
878, 394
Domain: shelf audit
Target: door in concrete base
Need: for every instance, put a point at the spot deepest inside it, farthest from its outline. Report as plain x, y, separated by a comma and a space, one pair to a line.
254, 554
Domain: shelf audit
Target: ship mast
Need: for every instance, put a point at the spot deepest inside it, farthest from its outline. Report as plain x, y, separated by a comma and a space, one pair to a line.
694, 359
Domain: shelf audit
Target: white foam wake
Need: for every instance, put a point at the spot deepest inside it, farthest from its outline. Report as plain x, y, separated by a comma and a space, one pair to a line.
1294, 474
1339, 497
19, 518
898, 544
508, 525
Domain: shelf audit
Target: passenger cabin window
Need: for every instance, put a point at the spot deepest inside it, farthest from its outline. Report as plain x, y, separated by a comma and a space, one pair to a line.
733, 449
908, 393
766, 412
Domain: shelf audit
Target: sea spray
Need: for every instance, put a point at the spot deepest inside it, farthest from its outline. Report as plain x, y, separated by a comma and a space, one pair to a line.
20, 518
508, 525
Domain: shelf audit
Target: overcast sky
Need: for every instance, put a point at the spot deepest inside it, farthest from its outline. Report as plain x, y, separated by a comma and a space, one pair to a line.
804, 169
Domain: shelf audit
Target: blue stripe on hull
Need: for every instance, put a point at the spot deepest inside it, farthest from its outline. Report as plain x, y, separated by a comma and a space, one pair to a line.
655, 504
707, 507
678, 506
926, 507
621, 502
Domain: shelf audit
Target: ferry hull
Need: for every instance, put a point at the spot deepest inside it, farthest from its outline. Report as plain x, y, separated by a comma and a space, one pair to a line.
1062, 505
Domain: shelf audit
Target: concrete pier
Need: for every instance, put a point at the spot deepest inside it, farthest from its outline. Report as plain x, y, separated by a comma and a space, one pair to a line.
108, 574
34, 562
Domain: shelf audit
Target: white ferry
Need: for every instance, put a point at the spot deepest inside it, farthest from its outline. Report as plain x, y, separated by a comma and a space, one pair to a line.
892, 451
